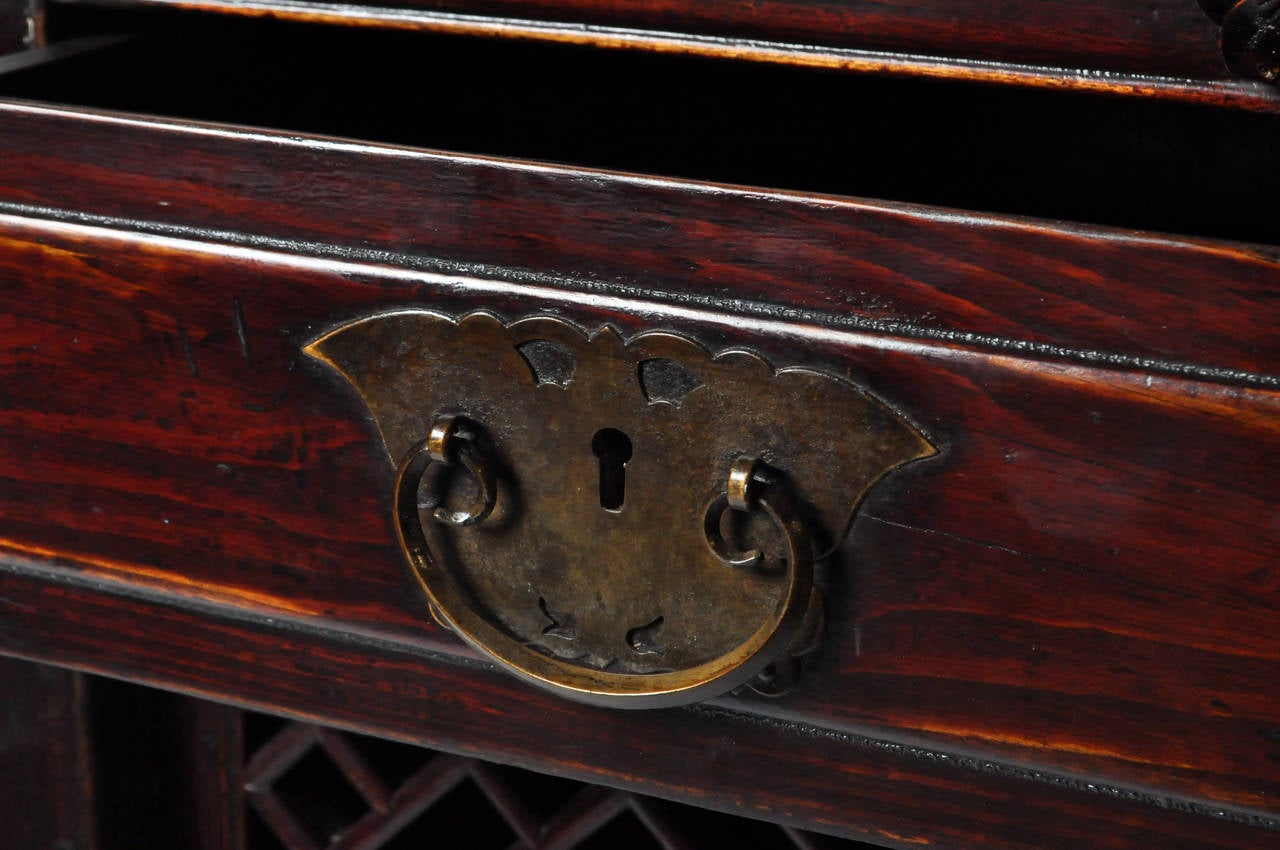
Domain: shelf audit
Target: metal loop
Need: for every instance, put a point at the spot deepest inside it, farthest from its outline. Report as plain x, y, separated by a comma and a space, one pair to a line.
440, 440
749, 486
451, 441
715, 540
738, 491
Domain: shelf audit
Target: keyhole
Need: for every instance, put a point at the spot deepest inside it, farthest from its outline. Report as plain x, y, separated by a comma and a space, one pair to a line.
613, 449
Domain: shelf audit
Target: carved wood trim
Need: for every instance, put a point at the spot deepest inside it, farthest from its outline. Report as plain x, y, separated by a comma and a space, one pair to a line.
1250, 36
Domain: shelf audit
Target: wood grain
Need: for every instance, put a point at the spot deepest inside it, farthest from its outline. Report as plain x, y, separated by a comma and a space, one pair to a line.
1119, 35
46, 785
894, 795
1060, 631
1067, 588
1166, 49
1095, 295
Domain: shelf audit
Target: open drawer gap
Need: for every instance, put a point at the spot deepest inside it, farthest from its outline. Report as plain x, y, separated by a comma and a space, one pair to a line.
1149, 165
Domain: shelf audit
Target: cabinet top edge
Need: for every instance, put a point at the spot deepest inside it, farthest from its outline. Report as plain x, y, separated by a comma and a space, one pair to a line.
904, 210
1188, 85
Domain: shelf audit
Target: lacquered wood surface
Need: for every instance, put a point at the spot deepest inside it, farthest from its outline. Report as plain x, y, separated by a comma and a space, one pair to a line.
1165, 49
1065, 587
1090, 295
1165, 37
1144, 164
891, 794
46, 787
1078, 594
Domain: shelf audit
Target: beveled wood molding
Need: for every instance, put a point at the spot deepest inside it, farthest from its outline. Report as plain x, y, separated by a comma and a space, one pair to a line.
1250, 36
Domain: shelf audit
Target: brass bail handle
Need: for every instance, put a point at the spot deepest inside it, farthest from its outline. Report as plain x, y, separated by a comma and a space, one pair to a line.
764, 661
753, 484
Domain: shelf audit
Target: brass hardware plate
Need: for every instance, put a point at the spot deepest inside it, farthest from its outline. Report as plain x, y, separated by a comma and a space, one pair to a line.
627, 522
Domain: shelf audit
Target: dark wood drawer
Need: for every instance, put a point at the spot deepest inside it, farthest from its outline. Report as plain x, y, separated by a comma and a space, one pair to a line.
1060, 630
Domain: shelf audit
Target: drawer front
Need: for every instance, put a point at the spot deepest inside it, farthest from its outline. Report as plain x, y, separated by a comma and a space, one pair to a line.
1064, 621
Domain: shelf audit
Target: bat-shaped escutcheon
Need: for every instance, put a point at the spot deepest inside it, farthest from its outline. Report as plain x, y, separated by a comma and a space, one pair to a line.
625, 522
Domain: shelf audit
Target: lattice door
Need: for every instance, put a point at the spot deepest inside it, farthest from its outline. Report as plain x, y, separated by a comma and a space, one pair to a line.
313, 788
184, 774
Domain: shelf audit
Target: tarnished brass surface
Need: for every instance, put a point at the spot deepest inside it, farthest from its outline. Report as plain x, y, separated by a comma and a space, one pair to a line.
639, 518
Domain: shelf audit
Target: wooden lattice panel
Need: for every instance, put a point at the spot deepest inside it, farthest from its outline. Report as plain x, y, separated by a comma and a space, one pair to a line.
316, 788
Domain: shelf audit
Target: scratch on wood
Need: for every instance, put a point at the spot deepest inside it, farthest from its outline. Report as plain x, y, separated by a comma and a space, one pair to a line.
241, 332
983, 543
186, 349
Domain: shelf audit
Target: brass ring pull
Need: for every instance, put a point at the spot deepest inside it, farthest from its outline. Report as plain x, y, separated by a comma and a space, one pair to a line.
748, 487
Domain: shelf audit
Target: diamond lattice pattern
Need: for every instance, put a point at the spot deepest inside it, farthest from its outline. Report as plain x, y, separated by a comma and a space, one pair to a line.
315, 788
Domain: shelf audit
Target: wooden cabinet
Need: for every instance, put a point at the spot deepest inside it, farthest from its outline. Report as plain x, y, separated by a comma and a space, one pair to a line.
1061, 629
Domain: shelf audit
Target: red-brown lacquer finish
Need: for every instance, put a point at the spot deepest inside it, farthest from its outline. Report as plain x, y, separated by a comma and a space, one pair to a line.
1061, 630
